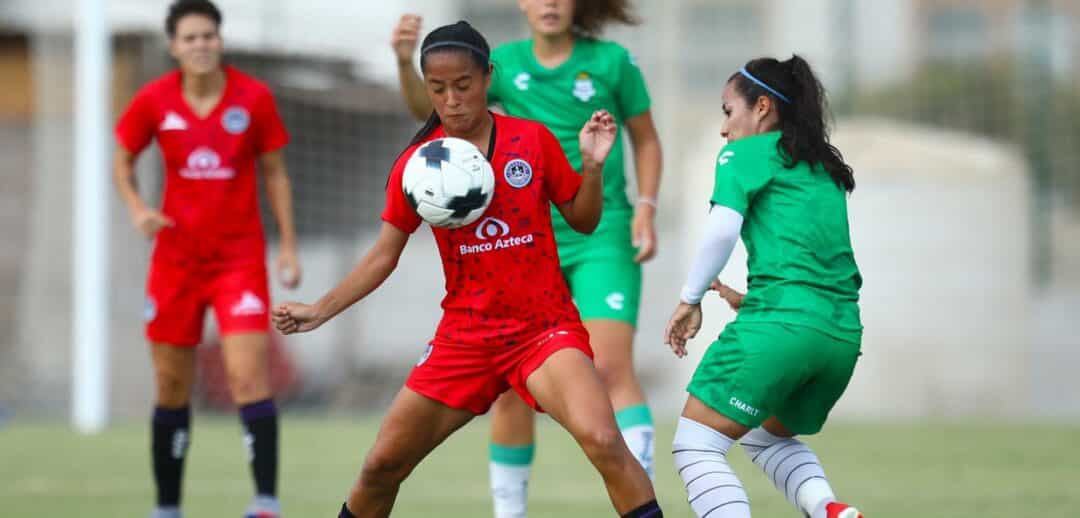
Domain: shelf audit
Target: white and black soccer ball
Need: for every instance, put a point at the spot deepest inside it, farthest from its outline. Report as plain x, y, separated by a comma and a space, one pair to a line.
449, 182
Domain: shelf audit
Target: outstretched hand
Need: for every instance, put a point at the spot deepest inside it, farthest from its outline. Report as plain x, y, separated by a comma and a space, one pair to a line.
596, 140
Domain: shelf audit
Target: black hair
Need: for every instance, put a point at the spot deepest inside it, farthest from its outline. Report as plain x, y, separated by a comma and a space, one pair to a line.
803, 125
182, 8
458, 37
590, 16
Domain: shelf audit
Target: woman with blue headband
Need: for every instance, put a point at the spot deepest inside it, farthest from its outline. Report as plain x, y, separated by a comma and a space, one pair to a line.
778, 369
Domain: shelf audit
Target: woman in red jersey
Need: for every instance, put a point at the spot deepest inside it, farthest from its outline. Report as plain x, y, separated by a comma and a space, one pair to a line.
509, 322
215, 126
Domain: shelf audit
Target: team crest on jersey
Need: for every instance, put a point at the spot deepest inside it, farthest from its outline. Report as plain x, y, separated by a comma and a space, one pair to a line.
521, 81
236, 120
518, 173
583, 87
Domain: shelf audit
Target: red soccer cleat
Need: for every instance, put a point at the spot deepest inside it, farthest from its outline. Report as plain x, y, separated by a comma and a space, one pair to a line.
839, 510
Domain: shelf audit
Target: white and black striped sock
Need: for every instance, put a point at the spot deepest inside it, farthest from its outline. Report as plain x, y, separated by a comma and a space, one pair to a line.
793, 469
712, 487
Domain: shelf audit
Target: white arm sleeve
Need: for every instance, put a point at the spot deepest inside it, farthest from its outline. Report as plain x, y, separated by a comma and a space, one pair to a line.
721, 233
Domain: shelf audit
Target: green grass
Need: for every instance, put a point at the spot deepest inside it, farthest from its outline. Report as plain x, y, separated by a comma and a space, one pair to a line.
898, 470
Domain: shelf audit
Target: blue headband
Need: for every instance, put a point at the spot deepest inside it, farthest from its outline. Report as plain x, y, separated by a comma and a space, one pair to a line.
459, 44
762, 84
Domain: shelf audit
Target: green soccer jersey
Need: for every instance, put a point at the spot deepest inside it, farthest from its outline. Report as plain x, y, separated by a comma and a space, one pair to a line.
598, 75
801, 266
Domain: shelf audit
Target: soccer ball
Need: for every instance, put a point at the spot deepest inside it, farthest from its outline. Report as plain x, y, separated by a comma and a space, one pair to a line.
449, 182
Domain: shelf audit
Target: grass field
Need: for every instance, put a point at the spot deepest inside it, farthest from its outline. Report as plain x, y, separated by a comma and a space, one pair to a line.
891, 471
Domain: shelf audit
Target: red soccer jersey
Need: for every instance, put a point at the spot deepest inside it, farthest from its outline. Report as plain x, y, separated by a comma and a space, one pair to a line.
210, 184
503, 280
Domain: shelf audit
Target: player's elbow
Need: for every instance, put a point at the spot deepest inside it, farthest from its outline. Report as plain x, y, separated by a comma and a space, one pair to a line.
585, 224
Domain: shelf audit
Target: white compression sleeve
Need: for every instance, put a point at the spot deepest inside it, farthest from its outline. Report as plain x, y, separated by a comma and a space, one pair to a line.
721, 233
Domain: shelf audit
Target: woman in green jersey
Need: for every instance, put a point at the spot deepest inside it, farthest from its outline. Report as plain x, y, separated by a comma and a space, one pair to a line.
559, 77
777, 370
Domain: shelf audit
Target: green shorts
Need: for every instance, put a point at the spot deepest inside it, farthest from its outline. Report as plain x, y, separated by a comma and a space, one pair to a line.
762, 369
606, 288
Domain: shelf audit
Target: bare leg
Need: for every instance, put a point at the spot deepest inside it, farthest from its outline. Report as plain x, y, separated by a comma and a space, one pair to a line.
612, 344
512, 421
247, 364
174, 374
412, 428
568, 388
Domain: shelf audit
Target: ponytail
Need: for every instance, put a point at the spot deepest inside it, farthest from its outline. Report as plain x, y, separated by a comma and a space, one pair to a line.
800, 101
432, 122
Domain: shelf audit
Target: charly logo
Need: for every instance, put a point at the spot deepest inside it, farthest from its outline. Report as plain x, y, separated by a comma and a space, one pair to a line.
583, 87
615, 301
518, 173
738, 403
521, 81
205, 164
725, 157
495, 234
424, 357
235, 120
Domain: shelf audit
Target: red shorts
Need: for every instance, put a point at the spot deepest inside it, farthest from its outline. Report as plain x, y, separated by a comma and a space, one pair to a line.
177, 298
471, 378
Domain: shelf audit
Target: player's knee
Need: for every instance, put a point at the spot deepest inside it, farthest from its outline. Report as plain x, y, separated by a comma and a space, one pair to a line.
246, 389
603, 445
614, 374
383, 470
172, 389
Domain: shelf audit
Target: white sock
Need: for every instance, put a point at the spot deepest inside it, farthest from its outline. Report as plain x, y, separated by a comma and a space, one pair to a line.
793, 469
509, 489
641, 442
712, 488
636, 425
